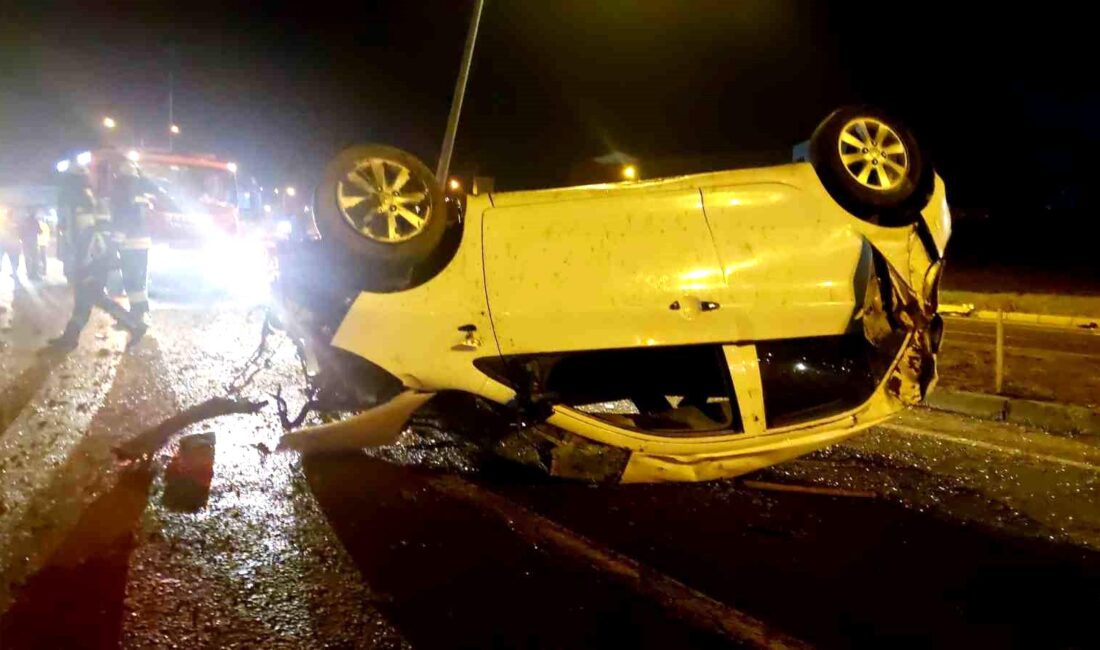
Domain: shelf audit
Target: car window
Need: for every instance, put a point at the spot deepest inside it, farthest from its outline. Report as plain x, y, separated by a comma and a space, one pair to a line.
672, 390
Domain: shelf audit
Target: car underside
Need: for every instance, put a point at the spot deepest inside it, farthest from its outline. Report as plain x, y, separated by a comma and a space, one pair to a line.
685, 328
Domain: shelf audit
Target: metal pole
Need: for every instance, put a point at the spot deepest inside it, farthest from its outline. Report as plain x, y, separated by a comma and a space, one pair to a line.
460, 91
999, 363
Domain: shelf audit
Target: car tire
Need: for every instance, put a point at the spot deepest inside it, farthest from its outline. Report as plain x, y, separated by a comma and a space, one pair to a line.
392, 223
872, 165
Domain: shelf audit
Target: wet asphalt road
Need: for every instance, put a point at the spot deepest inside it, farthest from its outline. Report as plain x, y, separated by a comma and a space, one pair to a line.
932, 530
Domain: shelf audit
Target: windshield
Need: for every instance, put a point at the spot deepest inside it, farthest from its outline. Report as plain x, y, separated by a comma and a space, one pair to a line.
189, 188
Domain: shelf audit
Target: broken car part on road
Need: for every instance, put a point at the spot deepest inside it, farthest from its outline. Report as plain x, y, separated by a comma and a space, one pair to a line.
679, 329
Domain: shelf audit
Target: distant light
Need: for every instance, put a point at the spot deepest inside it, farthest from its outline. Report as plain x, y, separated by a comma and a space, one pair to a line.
282, 228
454, 184
276, 190
247, 195
174, 129
109, 122
62, 166
305, 208
267, 209
133, 156
84, 158
232, 167
290, 191
800, 367
630, 172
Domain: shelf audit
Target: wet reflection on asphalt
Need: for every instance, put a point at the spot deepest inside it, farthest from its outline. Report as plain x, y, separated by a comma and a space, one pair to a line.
228, 543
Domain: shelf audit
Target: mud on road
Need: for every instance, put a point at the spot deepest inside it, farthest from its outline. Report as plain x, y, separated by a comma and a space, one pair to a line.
217, 540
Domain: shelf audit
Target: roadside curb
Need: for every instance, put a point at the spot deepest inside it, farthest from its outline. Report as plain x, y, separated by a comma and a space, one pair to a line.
1050, 416
1049, 320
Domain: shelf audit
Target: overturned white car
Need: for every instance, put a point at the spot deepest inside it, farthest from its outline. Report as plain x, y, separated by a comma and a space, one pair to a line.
680, 328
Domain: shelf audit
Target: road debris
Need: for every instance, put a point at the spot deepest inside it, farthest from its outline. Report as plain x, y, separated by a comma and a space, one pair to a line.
149, 441
187, 477
378, 426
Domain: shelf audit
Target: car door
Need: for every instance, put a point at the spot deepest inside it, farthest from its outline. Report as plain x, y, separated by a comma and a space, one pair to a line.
597, 269
790, 266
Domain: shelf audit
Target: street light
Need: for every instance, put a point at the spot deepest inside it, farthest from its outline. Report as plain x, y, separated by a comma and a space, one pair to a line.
174, 129
630, 172
232, 167
109, 122
454, 184
290, 191
133, 156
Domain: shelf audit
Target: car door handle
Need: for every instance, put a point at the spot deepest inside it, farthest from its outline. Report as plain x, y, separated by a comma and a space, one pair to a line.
692, 305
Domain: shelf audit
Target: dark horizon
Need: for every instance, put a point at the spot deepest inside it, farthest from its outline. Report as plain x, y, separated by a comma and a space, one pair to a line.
279, 91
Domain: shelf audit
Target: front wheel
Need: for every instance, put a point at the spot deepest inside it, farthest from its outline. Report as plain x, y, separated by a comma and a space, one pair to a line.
871, 165
382, 206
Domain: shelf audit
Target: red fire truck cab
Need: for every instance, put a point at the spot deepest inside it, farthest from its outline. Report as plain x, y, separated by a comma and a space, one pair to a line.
191, 199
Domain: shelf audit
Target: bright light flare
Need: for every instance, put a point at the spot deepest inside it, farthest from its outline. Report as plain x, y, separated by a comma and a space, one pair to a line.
174, 129
84, 158
109, 122
454, 184
62, 166
630, 172
133, 156
232, 167
290, 191
234, 268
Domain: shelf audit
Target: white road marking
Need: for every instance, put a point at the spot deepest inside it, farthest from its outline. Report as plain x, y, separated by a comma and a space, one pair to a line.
991, 447
685, 602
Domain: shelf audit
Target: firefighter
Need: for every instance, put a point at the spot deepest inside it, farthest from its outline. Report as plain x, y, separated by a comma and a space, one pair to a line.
73, 194
93, 257
132, 237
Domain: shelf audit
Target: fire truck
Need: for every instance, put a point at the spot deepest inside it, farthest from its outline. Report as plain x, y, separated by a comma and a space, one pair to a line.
194, 219
191, 199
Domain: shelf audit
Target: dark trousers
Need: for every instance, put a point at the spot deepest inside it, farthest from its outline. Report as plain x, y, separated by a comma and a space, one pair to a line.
135, 278
90, 290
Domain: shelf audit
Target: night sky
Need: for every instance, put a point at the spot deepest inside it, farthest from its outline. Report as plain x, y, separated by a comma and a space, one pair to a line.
1003, 101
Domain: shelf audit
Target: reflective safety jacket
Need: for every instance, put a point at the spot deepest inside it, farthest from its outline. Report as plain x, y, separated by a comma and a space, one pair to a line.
128, 222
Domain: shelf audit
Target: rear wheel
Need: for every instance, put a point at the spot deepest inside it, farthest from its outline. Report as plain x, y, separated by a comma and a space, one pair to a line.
871, 165
382, 206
